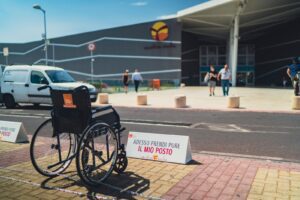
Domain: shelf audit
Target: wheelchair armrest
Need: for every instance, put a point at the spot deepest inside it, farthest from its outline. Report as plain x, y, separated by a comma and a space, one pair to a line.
100, 109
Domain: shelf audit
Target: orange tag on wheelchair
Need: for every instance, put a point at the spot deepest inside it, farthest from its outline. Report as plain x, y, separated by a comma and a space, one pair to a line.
68, 101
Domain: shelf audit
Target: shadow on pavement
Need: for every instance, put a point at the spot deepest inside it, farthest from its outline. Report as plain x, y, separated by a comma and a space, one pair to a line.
121, 186
194, 162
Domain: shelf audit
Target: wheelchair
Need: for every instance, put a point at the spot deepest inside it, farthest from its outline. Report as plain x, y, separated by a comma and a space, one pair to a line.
76, 130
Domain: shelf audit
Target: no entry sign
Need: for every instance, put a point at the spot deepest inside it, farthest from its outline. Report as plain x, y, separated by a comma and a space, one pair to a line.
91, 47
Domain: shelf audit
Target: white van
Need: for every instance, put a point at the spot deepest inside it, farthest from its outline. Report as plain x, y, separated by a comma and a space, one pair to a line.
2, 67
20, 83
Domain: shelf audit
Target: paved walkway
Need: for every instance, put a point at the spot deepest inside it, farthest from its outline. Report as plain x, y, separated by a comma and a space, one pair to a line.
251, 99
206, 177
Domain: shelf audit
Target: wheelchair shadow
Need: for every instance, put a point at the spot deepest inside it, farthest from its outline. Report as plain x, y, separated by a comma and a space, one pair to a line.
128, 185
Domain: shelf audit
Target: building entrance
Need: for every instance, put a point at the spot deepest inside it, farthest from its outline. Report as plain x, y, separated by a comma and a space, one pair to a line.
217, 56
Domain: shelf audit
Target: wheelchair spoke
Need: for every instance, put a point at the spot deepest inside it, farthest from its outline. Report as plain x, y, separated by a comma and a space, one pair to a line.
51, 155
101, 143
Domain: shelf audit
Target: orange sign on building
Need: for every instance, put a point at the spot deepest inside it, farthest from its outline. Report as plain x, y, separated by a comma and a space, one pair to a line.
160, 31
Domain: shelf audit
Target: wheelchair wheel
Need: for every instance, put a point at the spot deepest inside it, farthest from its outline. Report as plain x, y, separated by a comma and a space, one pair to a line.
121, 163
50, 155
97, 153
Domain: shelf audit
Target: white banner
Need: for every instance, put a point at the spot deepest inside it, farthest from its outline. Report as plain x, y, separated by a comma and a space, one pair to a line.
12, 132
161, 147
5, 51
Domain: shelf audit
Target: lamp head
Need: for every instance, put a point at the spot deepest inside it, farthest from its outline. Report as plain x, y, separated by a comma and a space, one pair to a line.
36, 6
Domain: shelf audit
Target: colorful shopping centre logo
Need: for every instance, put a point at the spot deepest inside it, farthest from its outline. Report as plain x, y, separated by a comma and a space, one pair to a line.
160, 31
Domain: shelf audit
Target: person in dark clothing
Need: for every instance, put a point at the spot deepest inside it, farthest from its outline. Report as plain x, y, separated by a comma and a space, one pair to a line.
126, 80
293, 71
212, 80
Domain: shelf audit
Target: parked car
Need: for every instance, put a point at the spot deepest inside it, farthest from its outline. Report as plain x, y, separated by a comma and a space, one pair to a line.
2, 67
20, 83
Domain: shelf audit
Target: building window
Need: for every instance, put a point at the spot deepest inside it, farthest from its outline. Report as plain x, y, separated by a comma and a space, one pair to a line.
203, 61
212, 55
246, 55
203, 51
242, 60
212, 60
212, 50
222, 60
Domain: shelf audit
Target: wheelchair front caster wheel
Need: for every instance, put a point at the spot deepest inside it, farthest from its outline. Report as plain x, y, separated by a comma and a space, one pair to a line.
121, 163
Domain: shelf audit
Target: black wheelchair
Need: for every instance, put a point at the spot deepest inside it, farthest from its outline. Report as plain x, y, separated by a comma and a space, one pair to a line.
75, 129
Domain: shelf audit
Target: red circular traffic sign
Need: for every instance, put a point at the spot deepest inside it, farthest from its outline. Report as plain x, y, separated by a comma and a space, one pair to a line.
91, 46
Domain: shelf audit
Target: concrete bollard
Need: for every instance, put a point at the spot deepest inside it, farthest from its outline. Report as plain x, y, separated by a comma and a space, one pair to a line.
103, 98
180, 101
182, 85
296, 102
141, 99
233, 102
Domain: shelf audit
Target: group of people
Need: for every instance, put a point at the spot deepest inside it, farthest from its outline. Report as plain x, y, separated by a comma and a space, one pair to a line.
213, 76
224, 75
136, 78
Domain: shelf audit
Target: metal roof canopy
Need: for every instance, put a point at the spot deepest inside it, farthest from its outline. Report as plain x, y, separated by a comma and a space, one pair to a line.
213, 19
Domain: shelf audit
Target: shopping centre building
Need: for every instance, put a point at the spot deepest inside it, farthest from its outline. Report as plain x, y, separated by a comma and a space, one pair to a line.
257, 38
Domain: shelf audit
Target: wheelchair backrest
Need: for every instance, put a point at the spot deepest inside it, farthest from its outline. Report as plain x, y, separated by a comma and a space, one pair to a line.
71, 110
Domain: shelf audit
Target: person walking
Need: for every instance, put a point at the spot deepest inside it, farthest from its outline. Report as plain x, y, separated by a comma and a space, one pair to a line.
225, 76
212, 80
126, 80
137, 78
293, 71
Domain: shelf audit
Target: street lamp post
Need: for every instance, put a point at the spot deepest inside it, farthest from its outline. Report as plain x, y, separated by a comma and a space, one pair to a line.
38, 7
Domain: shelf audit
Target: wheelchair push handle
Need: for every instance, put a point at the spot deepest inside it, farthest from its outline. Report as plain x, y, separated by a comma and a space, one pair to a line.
82, 87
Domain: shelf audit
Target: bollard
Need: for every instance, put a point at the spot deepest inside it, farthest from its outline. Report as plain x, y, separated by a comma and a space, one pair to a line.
141, 99
296, 102
233, 102
103, 98
182, 85
180, 101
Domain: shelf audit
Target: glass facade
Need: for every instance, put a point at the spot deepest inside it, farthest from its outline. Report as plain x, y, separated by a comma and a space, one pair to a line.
217, 55
212, 55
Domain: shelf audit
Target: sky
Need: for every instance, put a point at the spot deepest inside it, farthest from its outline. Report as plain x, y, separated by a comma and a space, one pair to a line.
20, 23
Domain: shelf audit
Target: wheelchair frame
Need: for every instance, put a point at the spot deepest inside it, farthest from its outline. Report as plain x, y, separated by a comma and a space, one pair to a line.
91, 135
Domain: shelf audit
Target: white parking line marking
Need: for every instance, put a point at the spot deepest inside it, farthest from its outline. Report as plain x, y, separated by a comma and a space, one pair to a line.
24, 116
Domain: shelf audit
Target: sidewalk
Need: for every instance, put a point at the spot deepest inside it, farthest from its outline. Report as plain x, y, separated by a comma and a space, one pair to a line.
214, 177
251, 99
206, 177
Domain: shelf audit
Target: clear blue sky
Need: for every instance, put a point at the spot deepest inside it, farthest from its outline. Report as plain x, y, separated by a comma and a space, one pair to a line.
19, 22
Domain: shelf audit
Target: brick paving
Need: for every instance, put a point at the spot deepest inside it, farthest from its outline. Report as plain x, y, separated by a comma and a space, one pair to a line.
238, 178
206, 177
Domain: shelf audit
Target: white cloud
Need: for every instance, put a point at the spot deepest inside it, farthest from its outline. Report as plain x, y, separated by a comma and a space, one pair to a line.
139, 3
167, 16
